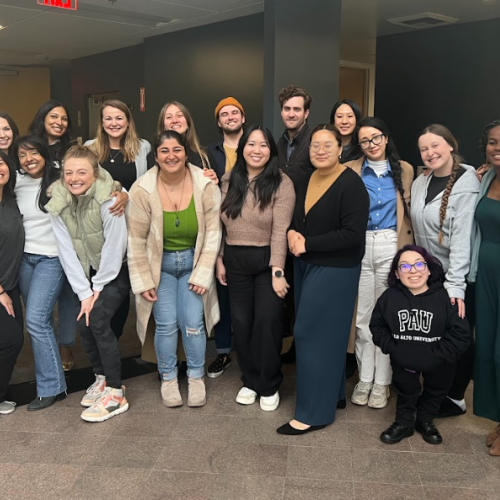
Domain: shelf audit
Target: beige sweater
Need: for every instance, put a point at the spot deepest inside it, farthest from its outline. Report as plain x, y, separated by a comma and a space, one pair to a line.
145, 245
260, 228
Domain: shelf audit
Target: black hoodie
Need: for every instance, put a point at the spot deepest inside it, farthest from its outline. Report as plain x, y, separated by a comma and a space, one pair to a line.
419, 332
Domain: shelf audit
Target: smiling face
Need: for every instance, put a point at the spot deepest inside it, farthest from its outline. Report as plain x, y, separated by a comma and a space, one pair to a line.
230, 119
256, 151
493, 147
175, 120
171, 156
413, 279
373, 143
345, 120
436, 154
56, 124
114, 122
4, 174
31, 161
293, 114
6, 135
78, 175
324, 150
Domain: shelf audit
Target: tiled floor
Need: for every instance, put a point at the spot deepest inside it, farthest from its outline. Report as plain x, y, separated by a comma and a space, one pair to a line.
225, 451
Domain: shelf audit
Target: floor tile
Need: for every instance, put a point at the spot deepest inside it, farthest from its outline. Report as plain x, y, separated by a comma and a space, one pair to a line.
162, 485
317, 489
366, 436
456, 440
17, 447
334, 436
7, 470
160, 423
319, 463
231, 487
374, 491
392, 467
436, 493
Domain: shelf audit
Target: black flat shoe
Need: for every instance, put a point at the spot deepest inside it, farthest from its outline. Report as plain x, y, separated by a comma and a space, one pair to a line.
42, 403
429, 432
288, 430
396, 433
341, 404
449, 409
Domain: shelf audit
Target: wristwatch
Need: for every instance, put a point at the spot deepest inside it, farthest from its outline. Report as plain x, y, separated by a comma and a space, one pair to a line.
278, 274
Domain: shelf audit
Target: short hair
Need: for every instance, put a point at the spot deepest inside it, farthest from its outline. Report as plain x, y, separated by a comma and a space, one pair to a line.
349, 102
82, 153
287, 93
433, 265
331, 128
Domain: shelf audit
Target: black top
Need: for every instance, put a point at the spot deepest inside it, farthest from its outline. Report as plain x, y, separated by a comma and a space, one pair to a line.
121, 171
350, 153
58, 150
335, 226
438, 185
193, 157
216, 149
420, 332
298, 167
11, 243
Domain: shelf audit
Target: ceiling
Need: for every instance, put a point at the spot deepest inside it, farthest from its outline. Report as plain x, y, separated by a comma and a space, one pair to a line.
38, 35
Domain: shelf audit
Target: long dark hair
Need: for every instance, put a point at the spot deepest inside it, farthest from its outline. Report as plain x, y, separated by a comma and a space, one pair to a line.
169, 134
391, 154
50, 172
13, 126
266, 183
37, 128
8, 189
433, 265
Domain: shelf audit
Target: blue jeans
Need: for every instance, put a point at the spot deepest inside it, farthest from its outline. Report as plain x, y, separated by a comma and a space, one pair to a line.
68, 308
41, 279
178, 308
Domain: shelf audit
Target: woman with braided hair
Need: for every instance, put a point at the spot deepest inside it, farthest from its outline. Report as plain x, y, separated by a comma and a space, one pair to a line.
442, 213
388, 182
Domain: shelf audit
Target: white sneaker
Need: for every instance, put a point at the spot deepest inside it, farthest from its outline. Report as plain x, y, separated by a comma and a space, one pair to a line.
7, 407
246, 396
379, 396
270, 403
94, 392
361, 393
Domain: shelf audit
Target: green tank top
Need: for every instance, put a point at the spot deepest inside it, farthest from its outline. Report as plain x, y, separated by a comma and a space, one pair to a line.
180, 229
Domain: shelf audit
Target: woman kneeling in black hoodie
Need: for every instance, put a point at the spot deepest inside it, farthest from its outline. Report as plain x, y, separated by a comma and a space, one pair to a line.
415, 323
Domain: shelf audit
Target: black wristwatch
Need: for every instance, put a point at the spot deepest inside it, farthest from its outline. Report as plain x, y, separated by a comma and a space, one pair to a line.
278, 274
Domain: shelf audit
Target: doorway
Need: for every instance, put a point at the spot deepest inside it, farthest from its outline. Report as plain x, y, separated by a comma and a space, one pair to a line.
94, 103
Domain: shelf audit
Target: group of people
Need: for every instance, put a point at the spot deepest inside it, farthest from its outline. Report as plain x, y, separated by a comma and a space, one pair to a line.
326, 224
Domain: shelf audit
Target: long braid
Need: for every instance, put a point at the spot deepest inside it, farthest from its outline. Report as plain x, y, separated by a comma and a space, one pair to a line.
446, 194
396, 175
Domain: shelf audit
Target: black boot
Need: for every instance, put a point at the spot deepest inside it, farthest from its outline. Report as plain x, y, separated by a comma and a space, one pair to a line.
429, 432
42, 403
396, 433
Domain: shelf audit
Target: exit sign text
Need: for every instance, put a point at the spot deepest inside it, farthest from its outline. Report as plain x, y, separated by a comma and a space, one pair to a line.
61, 4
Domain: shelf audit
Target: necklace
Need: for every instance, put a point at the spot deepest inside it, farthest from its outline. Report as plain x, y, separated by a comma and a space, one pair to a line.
177, 221
111, 157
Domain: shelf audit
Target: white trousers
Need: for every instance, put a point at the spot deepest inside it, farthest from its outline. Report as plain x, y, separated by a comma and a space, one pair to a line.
381, 246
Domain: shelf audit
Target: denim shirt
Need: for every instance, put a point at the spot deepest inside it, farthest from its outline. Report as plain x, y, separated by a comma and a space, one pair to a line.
383, 198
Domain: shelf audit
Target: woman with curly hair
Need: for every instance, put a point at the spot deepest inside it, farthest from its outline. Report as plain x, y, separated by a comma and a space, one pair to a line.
388, 181
442, 212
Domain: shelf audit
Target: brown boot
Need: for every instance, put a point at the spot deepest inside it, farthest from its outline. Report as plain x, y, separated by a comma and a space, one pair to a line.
170, 393
197, 395
495, 448
492, 436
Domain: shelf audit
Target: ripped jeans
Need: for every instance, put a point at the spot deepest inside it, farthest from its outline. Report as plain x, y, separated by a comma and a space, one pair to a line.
178, 308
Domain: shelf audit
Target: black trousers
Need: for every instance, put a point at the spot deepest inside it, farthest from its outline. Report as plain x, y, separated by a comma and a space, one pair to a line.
120, 317
11, 340
255, 316
412, 398
99, 341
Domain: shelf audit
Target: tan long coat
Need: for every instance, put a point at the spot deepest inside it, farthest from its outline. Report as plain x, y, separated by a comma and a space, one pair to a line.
145, 243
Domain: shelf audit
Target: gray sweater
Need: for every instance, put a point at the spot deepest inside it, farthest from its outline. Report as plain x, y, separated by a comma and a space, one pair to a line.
454, 252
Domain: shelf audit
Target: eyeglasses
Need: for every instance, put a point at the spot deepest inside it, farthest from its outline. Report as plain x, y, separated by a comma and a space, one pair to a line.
419, 267
316, 147
375, 140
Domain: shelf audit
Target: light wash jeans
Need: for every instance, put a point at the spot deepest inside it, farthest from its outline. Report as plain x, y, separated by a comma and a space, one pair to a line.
68, 308
40, 280
381, 246
177, 308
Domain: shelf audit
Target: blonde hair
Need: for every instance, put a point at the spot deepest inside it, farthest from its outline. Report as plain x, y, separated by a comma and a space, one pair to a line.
192, 141
445, 133
130, 142
82, 153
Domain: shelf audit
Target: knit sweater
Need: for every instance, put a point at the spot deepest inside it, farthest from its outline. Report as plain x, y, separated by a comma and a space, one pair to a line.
454, 252
261, 228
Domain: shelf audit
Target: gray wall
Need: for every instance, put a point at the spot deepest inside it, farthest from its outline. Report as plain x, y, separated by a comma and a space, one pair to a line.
119, 70
200, 66
446, 75
60, 84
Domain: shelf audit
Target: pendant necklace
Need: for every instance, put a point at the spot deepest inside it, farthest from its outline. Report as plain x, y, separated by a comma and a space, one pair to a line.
113, 158
177, 221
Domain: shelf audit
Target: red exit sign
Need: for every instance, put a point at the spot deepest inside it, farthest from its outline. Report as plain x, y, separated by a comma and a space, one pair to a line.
61, 4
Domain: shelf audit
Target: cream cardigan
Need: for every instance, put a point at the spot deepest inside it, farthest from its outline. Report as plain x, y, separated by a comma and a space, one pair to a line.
145, 243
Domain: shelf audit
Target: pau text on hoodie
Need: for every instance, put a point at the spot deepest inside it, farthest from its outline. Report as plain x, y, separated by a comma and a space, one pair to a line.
419, 332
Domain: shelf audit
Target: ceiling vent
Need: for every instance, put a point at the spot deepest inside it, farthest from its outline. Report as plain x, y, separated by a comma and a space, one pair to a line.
422, 21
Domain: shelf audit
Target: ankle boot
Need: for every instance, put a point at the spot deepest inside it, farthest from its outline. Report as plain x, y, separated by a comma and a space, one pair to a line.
170, 393
197, 395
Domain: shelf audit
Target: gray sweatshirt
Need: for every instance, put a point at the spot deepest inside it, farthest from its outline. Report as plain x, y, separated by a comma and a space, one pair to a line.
454, 252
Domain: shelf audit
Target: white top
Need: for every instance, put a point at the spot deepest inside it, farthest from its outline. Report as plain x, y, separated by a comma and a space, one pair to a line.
379, 167
112, 254
40, 239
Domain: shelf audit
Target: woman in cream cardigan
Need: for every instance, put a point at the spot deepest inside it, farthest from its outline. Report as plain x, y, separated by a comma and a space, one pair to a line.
174, 238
